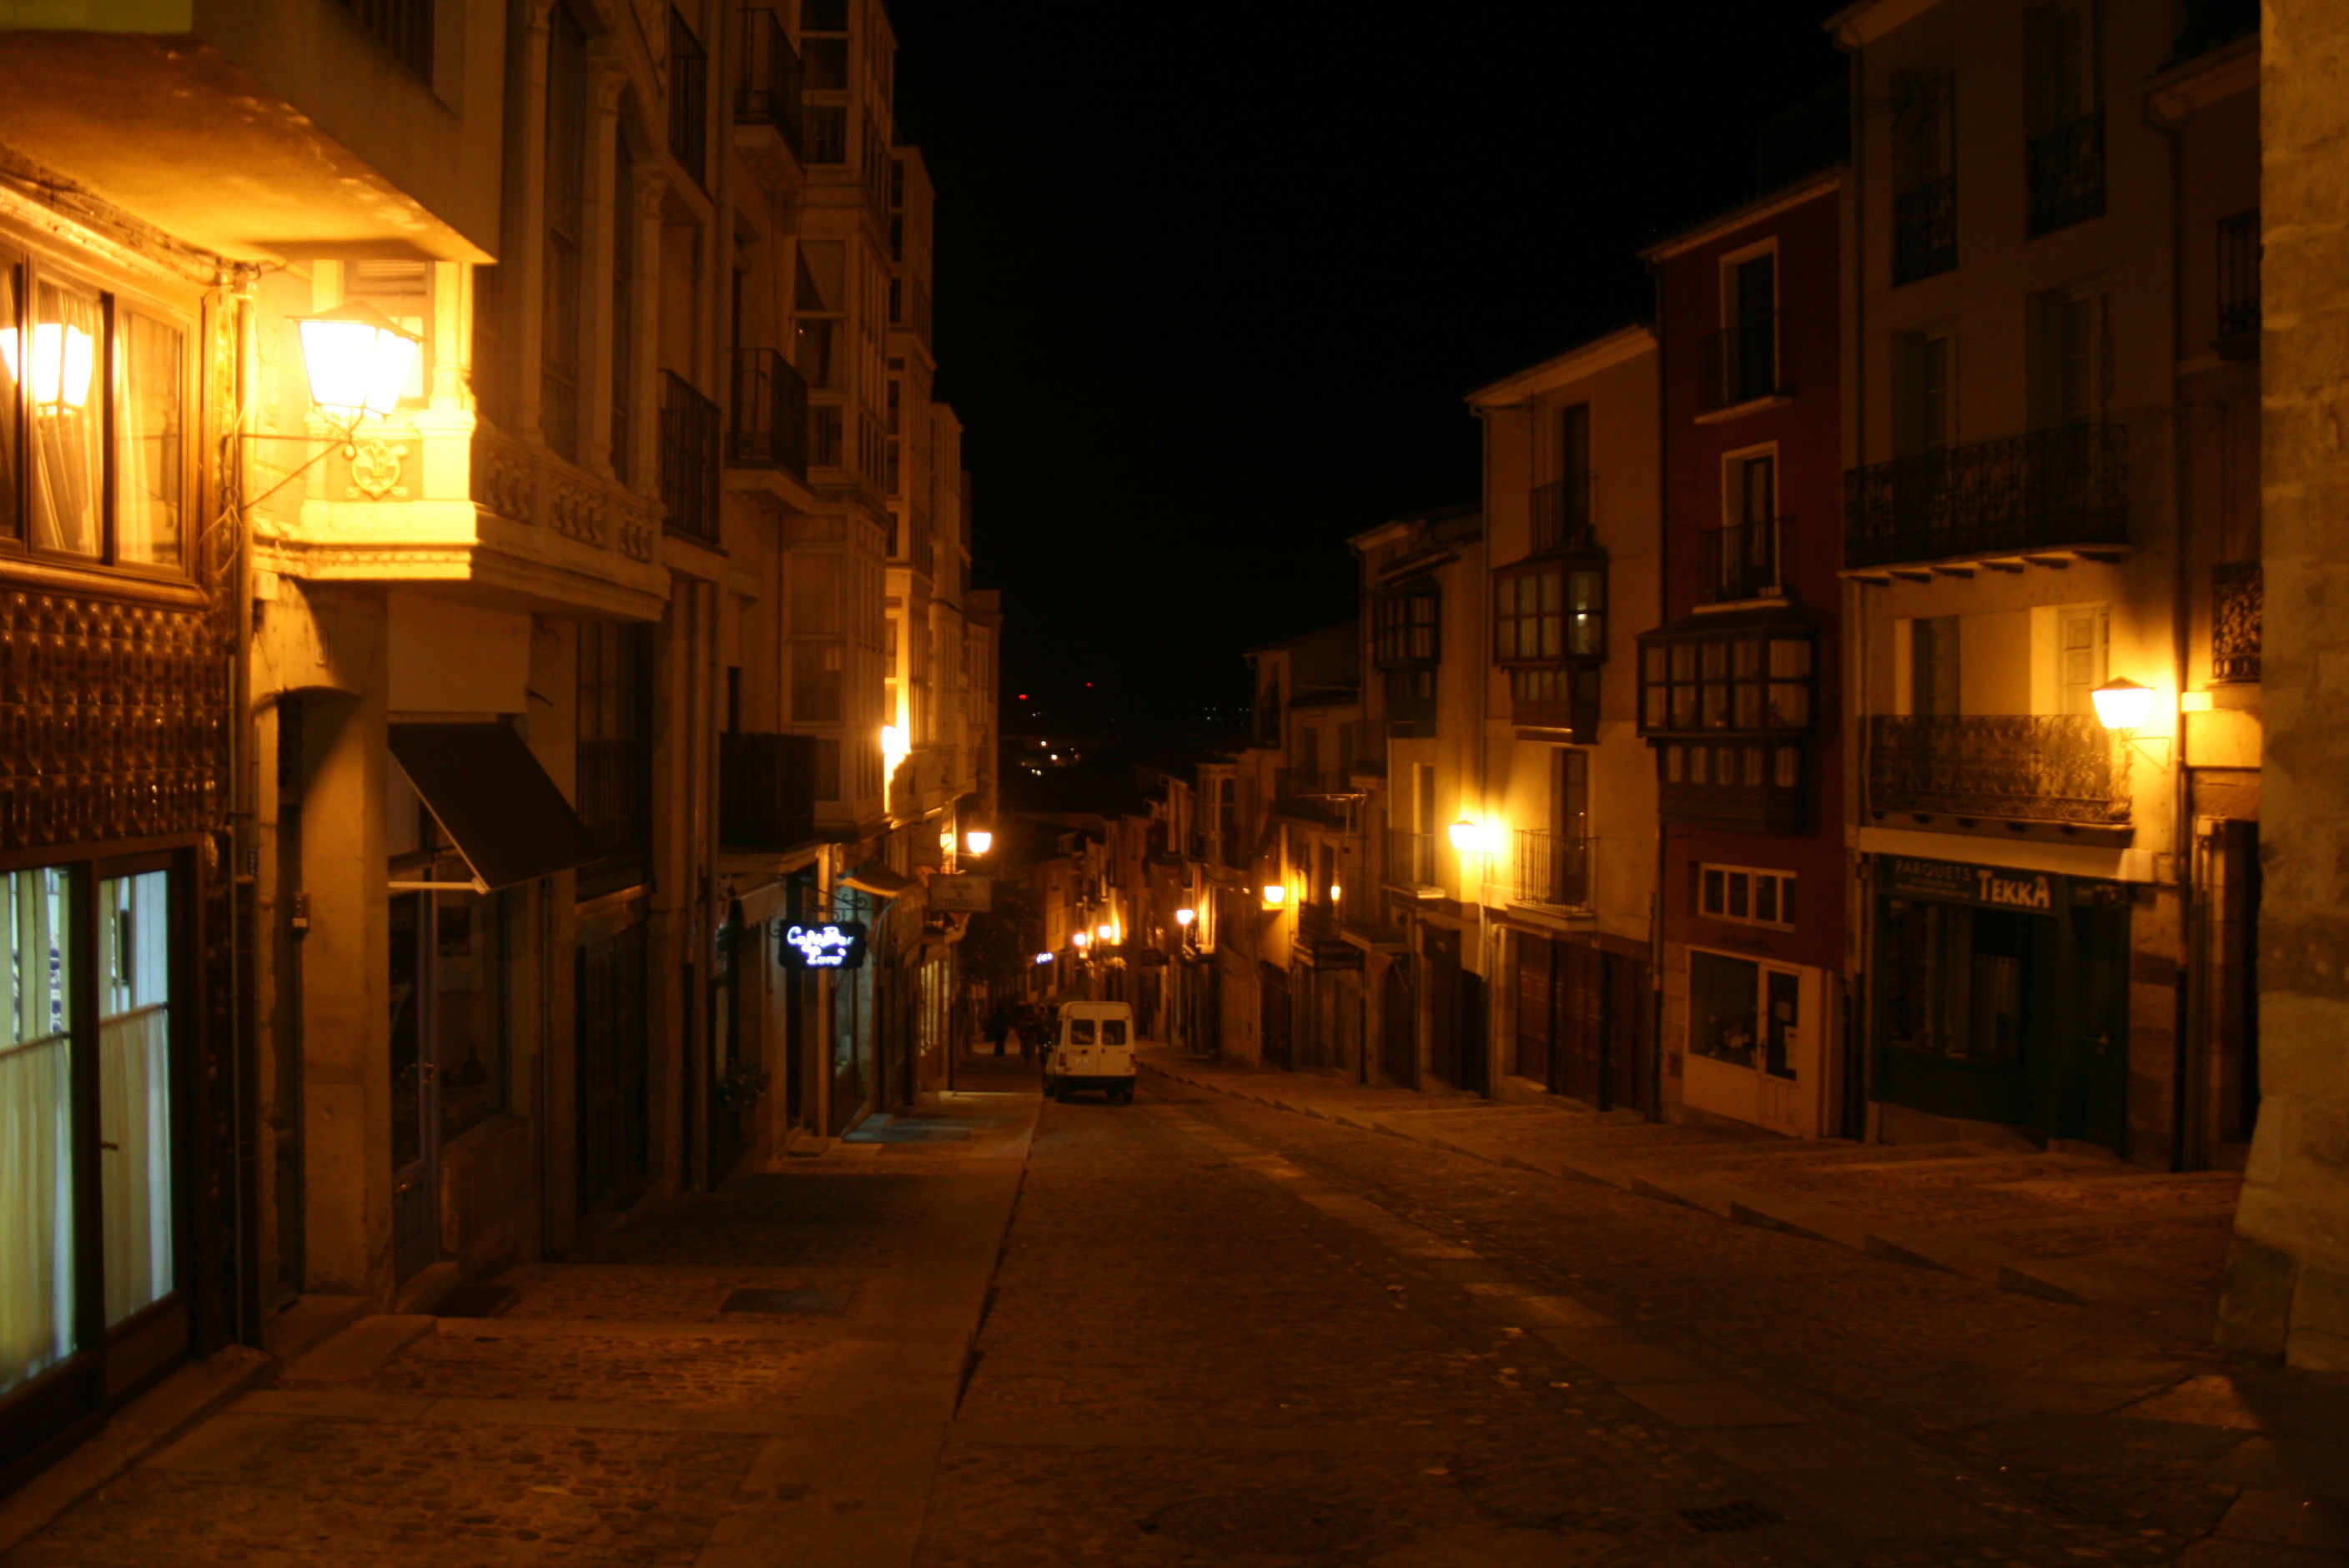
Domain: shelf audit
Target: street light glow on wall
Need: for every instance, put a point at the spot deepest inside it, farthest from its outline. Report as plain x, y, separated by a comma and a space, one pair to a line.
1471, 838
357, 361
2123, 704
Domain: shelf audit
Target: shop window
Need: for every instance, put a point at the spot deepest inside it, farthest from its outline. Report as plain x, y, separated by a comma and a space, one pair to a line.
93, 409
1724, 1014
1951, 981
1746, 895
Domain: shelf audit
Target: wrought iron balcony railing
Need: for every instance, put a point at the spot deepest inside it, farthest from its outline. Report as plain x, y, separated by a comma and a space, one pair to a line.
1740, 362
767, 90
1317, 923
770, 420
2235, 600
1411, 859
2043, 768
1925, 230
2239, 285
1314, 781
2043, 491
766, 790
688, 459
689, 98
1552, 869
1741, 561
2066, 173
1561, 513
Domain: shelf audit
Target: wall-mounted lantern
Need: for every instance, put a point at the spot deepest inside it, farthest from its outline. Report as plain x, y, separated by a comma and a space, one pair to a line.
357, 361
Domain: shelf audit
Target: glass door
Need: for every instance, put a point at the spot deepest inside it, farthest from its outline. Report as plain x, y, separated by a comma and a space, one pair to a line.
38, 1296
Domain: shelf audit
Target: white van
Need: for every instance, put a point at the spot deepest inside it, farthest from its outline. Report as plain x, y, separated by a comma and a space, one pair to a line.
1094, 1050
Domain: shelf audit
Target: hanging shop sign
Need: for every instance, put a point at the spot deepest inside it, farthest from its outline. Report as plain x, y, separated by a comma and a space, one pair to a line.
1986, 887
833, 945
962, 894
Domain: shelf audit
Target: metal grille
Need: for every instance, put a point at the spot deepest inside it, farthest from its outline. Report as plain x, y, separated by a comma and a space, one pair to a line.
2049, 767
1925, 230
2066, 173
2067, 486
767, 92
689, 98
403, 26
1741, 561
1552, 869
688, 459
770, 428
2235, 603
2238, 282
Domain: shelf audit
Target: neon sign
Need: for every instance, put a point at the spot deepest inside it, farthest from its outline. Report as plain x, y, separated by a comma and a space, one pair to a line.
833, 945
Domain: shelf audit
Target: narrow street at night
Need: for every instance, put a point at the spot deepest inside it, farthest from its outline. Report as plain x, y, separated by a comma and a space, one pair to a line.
1222, 1331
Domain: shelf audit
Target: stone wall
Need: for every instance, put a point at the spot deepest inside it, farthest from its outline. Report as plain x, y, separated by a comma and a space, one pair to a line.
2287, 1287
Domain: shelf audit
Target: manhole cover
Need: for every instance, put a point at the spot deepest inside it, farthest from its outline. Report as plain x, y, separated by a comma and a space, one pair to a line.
798, 1301
1259, 1522
1723, 1517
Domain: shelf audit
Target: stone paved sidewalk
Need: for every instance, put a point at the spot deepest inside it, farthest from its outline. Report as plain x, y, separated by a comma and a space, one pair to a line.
2067, 1227
758, 1376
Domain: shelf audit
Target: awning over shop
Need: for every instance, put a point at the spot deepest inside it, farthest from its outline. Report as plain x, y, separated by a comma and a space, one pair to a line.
488, 792
878, 880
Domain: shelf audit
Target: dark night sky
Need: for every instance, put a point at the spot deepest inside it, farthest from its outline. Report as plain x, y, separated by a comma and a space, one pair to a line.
1209, 295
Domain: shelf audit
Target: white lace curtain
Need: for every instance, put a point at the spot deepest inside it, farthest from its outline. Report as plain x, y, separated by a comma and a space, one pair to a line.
36, 1283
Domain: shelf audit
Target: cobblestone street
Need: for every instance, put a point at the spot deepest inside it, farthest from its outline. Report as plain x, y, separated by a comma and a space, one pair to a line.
1223, 1332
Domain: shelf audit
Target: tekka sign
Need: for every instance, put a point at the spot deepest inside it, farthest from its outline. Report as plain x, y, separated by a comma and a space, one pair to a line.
833, 945
1987, 887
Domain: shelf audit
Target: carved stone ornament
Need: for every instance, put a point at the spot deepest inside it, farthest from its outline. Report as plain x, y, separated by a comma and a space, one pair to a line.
376, 466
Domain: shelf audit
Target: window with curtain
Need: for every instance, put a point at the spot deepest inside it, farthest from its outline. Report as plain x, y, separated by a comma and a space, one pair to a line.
60, 366
37, 1179
134, 1046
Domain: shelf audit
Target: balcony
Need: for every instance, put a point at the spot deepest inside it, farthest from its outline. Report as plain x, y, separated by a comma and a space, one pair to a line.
433, 497
1411, 859
766, 791
1925, 230
2066, 174
2062, 768
2235, 602
1741, 561
2239, 286
1561, 514
2047, 490
767, 89
688, 468
689, 98
1740, 363
770, 428
1551, 869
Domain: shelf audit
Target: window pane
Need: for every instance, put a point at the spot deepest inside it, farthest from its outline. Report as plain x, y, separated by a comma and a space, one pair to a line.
37, 1186
1714, 882
134, 1077
149, 468
12, 525
1765, 897
468, 1032
68, 479
1739, 885
1722, 1011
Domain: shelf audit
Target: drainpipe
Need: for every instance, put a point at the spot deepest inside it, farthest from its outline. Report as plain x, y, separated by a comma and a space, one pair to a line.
1656, 956
2184, 1056
1858, 740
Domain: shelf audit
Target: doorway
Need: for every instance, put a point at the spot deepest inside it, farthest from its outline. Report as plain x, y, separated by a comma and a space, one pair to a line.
448, 1050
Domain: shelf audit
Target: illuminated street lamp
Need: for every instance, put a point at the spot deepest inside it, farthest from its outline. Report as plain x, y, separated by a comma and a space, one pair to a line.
2123, 704
979, 840
358, 360
1275, 895
1471, 838
1043, 958
1080, 940
1184, 917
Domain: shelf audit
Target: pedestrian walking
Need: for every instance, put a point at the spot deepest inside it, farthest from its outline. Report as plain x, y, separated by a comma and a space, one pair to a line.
998, 1023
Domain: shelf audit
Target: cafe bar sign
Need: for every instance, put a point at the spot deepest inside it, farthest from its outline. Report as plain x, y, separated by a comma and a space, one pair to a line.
835, 944
1987, 887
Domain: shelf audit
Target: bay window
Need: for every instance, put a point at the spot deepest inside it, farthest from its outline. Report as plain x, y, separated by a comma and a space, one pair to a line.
1550, 632
1405, 647
1727, 699
93, 405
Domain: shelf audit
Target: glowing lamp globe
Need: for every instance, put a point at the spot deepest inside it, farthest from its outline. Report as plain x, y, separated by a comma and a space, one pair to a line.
63, 359
2123, 704
357, 361
1043, 958
979, 840
1275, 895
1184, 917
1081, 938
